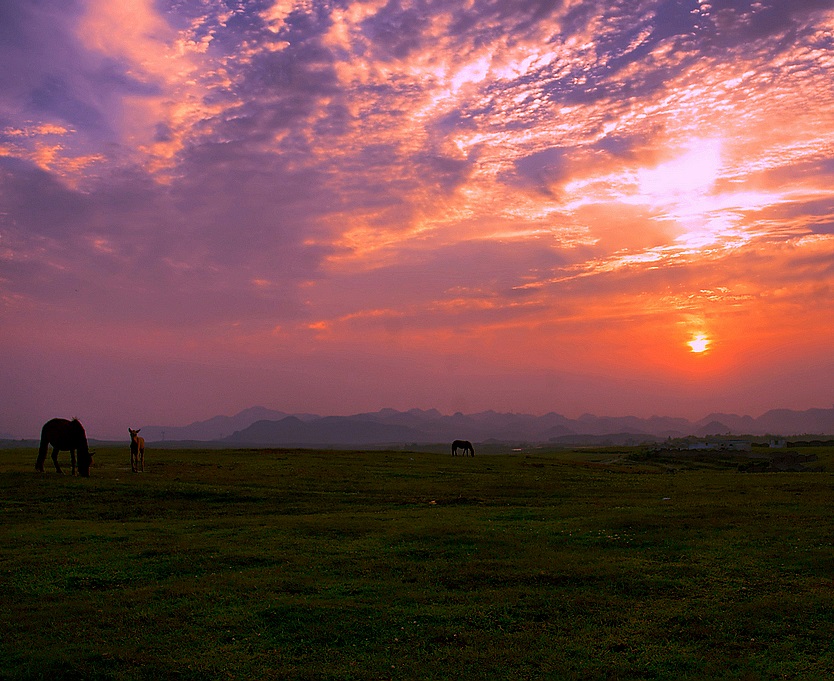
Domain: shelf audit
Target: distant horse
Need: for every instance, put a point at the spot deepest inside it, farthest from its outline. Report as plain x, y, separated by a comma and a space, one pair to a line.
137, 450
68, 436
465, 445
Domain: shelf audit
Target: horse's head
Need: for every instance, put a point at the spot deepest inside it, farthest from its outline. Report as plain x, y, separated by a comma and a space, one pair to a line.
133, 433
85, 461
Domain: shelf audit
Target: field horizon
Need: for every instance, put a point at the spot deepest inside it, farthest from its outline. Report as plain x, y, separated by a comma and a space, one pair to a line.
313, 564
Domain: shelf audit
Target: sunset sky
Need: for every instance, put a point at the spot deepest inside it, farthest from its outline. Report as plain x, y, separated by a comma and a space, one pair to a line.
616, 207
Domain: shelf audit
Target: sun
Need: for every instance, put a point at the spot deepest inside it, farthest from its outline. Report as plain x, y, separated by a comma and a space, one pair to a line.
699, 343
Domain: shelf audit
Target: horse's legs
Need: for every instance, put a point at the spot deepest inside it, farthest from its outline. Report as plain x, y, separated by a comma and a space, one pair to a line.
55, 460
133, 456
73, 459
142, 459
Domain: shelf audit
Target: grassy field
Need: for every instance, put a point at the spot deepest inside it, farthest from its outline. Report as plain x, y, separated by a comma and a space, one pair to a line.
407, 565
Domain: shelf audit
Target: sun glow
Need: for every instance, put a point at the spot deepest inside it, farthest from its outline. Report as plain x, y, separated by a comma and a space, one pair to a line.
699, 343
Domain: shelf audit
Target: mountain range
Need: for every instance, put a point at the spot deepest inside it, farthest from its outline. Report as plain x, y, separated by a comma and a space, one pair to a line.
262, 426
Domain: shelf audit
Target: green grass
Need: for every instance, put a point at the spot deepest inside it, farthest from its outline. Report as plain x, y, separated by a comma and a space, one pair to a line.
407, 565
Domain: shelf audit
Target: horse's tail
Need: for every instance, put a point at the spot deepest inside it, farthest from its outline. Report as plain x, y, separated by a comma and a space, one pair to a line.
43, 449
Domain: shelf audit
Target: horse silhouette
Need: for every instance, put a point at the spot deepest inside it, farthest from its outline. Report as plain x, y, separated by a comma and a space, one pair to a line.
465, 445
137, 450
67, 436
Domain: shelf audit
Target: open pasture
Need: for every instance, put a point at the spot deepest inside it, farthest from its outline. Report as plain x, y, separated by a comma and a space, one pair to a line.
413, 565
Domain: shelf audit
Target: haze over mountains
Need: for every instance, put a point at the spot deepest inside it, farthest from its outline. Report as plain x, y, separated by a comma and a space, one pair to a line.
262, 426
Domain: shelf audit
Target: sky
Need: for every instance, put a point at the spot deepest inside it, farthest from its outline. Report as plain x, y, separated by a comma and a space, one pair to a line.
335, 206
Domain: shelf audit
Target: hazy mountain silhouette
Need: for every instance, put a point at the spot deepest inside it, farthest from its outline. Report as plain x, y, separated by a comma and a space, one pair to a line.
215, 428
816, 421
726, 423
773, 422
261, 426
330, 430
714, 428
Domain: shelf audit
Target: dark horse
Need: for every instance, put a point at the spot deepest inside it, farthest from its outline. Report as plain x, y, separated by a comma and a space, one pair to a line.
66, 435
465, 445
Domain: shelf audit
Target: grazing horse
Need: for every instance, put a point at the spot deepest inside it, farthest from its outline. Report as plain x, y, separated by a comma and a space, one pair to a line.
465, 445
137, 450
68, 436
